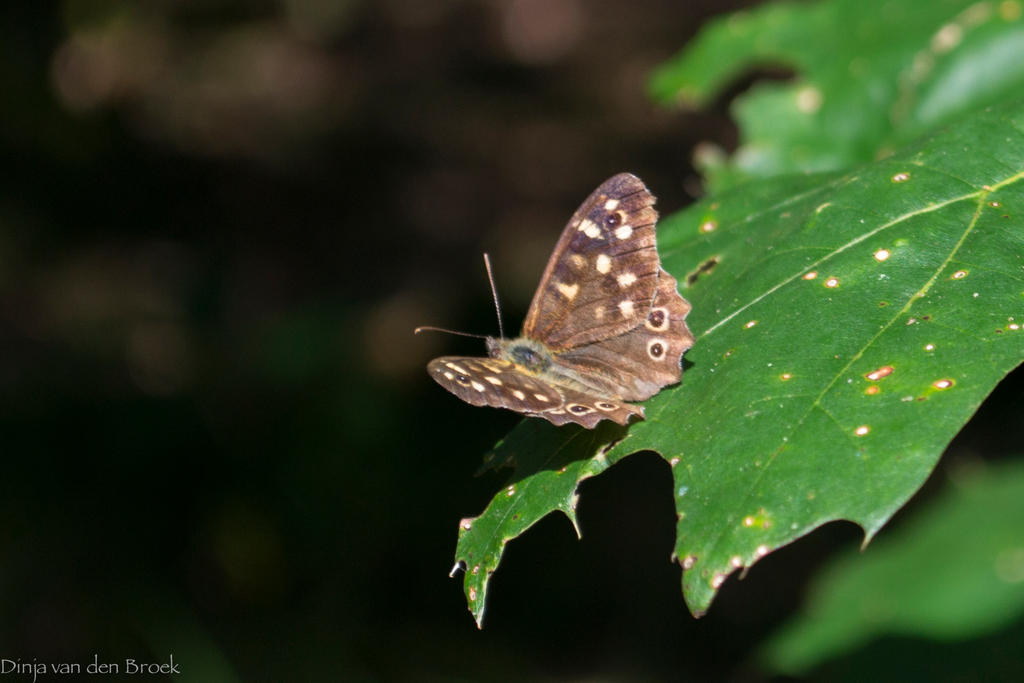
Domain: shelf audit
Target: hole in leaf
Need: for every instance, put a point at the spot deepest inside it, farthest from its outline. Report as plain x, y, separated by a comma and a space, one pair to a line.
703, 269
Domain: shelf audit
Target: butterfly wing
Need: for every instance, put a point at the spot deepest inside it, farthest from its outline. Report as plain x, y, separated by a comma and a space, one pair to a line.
636, 364
493, 382
502, 384
603, 273
588, 410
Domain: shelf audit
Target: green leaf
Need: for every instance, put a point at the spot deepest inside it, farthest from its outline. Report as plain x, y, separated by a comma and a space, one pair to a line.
871, 76
847, 326
549, 465
935, 577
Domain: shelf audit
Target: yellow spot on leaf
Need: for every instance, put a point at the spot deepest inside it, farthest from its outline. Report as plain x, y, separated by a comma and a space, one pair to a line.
881, 372
809, 99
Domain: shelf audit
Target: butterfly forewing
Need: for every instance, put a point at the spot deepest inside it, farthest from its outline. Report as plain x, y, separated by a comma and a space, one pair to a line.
493, 382
498, 383
603, 273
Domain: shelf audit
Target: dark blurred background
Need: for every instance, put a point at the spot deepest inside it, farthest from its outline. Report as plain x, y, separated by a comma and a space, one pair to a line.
219, 222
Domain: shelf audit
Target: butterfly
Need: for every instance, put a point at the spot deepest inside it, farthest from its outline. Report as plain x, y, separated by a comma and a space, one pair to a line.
606, 325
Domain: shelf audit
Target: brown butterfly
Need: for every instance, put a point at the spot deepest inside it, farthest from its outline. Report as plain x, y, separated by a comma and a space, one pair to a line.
606, 325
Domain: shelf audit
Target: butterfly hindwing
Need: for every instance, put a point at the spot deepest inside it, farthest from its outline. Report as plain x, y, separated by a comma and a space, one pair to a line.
637, 364
603, 272
588, 410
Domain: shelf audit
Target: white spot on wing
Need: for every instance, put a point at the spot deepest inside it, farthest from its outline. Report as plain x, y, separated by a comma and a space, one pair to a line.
603, 264
626, 279
626, 308
624, 231
568, 291
611, 204
589, 228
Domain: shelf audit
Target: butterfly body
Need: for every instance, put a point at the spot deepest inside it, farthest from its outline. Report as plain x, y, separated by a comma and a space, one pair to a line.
605, 327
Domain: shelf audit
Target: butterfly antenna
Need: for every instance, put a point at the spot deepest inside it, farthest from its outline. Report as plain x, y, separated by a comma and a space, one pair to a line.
494, 294
431, 328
